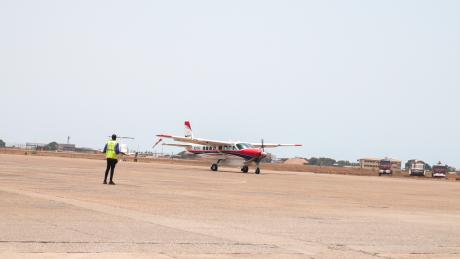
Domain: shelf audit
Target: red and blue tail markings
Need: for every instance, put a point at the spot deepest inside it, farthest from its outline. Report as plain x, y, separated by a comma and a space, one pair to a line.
187, 124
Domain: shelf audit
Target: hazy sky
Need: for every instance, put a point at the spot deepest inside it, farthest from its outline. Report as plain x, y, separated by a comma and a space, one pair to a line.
347, 79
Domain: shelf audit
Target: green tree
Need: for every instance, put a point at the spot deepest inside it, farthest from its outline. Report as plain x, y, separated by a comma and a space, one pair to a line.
53, 146
313, 161
322, 161
428, 167
2, 143
343, 163
408, 164
325, 161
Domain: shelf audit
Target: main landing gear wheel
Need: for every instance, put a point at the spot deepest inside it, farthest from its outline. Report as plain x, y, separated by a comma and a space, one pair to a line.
214, 167
245, 169
257, 170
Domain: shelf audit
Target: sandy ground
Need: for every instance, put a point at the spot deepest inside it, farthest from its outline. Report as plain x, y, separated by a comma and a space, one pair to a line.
58, 207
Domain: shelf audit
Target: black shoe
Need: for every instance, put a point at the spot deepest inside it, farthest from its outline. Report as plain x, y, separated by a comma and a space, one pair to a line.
111, 183
105, 182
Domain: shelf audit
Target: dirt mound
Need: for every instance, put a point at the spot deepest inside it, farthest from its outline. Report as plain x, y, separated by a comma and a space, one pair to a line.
296, 161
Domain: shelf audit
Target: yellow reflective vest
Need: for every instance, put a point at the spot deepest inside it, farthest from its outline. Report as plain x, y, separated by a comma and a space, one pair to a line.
110, 152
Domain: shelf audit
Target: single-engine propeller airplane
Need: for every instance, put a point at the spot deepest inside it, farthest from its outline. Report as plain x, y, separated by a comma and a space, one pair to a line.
222, 150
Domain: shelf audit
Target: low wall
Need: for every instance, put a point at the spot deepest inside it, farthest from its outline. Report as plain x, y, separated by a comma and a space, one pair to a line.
12, 151
320, 169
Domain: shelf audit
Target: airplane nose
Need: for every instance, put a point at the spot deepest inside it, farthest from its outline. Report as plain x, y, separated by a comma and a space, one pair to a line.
263, 154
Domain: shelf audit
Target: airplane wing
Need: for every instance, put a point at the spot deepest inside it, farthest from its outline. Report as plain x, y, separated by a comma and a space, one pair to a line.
198, 141
177, 145
268, 145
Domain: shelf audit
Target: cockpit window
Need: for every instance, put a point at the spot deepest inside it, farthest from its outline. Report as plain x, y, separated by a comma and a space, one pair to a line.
243, 146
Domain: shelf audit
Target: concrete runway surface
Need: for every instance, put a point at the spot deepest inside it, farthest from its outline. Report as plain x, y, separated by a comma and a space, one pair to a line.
58, 207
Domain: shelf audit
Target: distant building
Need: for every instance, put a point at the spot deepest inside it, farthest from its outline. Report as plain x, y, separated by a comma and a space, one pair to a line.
373, 164
66, 147
35, 146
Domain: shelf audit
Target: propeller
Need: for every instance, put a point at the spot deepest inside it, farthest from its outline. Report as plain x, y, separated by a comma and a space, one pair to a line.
263, 154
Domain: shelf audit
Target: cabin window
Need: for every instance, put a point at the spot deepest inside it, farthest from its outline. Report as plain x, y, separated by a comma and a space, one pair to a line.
243, 146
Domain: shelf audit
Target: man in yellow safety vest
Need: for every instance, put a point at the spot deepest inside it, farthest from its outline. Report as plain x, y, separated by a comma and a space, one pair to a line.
111, 150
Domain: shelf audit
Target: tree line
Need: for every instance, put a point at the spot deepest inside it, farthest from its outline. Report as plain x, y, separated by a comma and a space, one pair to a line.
326, 161
52, 146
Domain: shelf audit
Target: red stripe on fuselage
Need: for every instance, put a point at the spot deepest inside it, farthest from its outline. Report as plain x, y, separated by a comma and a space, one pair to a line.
245, 153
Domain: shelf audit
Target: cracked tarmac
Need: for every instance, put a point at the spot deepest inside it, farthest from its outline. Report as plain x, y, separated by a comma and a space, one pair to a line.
57, 207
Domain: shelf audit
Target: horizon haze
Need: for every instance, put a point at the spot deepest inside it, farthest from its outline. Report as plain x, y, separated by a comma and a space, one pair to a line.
347, 79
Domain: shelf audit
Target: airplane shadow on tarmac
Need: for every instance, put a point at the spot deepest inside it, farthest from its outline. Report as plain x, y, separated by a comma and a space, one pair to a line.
235, 172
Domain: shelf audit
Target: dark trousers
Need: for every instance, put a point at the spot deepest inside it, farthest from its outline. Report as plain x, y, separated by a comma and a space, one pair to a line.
110, 166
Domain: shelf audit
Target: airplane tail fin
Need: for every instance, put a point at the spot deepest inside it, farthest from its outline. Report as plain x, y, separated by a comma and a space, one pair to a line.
188, 130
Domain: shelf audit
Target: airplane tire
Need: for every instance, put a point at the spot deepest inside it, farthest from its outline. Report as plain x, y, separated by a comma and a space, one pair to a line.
245, 169
214, 167
257, 170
